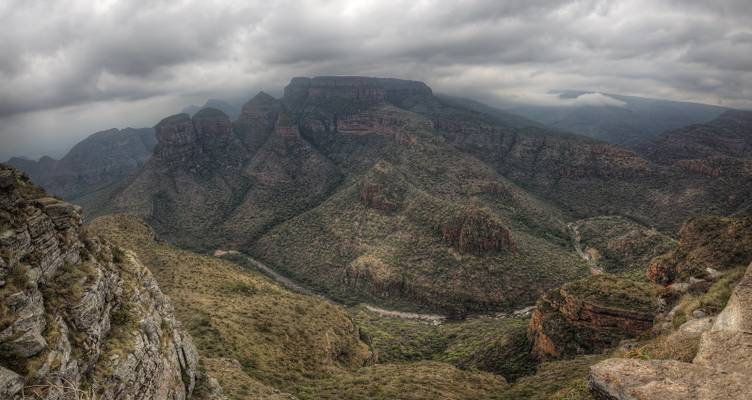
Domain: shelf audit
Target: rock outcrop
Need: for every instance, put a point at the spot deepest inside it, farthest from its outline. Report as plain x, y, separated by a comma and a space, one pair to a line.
722, 368
708, 243
588, 316
477, 231
78, 316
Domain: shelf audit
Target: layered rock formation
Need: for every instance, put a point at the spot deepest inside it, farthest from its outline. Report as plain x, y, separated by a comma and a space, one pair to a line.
589, 316
78, 316
721, 369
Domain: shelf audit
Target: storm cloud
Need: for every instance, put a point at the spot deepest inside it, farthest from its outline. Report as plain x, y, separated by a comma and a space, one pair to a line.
69, 68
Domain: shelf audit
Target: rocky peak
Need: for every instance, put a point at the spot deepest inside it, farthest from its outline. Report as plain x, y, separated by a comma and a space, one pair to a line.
201, 144
257, 120
78, 315
213, 127
176, 138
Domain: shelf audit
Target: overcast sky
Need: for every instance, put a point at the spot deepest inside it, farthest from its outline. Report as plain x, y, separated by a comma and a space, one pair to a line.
69, 68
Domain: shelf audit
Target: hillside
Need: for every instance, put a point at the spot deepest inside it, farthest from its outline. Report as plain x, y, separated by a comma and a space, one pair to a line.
719, 148
376, 203
93, 167
259, 339
627, 121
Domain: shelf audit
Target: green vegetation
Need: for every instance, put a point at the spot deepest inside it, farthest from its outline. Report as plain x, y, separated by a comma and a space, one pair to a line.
556, 378
283, 341
497, 345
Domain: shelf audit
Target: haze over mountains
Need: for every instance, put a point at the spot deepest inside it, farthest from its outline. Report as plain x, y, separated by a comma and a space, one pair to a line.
376, 191
303, 171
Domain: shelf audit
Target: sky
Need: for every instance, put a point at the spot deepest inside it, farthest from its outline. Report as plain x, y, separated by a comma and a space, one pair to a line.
69, 68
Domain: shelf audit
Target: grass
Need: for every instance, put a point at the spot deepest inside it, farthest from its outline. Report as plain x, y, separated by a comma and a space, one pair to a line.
289, 343
497, 345
621, 245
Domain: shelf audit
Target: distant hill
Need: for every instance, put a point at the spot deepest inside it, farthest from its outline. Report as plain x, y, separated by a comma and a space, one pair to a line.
628, 121
93, 165
232, 111
728, 136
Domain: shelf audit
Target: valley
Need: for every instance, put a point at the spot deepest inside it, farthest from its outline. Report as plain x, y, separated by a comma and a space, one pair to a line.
361, 238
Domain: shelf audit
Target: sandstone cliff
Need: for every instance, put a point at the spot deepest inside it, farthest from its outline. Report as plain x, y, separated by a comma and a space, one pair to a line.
78, 316
590, 315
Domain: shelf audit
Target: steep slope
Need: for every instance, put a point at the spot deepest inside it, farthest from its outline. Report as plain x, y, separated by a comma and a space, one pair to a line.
721, 368
585, 176
706, 244
589, 316
78, 316
92, 167
627, 121
719, 148
227, 108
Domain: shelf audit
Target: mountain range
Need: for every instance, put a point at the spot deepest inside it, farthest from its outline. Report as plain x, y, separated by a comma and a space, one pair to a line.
364, 238
627, 121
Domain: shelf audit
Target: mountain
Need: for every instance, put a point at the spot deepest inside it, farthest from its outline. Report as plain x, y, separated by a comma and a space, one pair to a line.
78, 315
93, 166
722, 146
355, 184
622, 120
232, 111
393, 195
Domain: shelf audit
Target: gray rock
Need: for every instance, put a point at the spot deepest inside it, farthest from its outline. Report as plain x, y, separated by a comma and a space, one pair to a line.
698, 314
10, 384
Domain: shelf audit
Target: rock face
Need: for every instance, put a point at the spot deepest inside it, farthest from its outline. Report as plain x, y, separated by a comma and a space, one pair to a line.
722, 368
77, 315
476, 231
296, 171
588, 316
96, 163
709, 242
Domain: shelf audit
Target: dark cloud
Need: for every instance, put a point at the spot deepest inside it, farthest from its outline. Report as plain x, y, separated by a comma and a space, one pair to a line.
95, 64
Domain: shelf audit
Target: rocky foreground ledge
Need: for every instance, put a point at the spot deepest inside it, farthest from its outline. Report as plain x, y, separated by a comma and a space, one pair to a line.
722, 368
79, 317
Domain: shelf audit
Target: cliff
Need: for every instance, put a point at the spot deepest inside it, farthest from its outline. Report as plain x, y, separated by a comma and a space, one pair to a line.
588, 316
79, 316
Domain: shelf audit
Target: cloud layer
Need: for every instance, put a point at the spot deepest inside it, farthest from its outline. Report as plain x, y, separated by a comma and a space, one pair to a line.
68, 68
